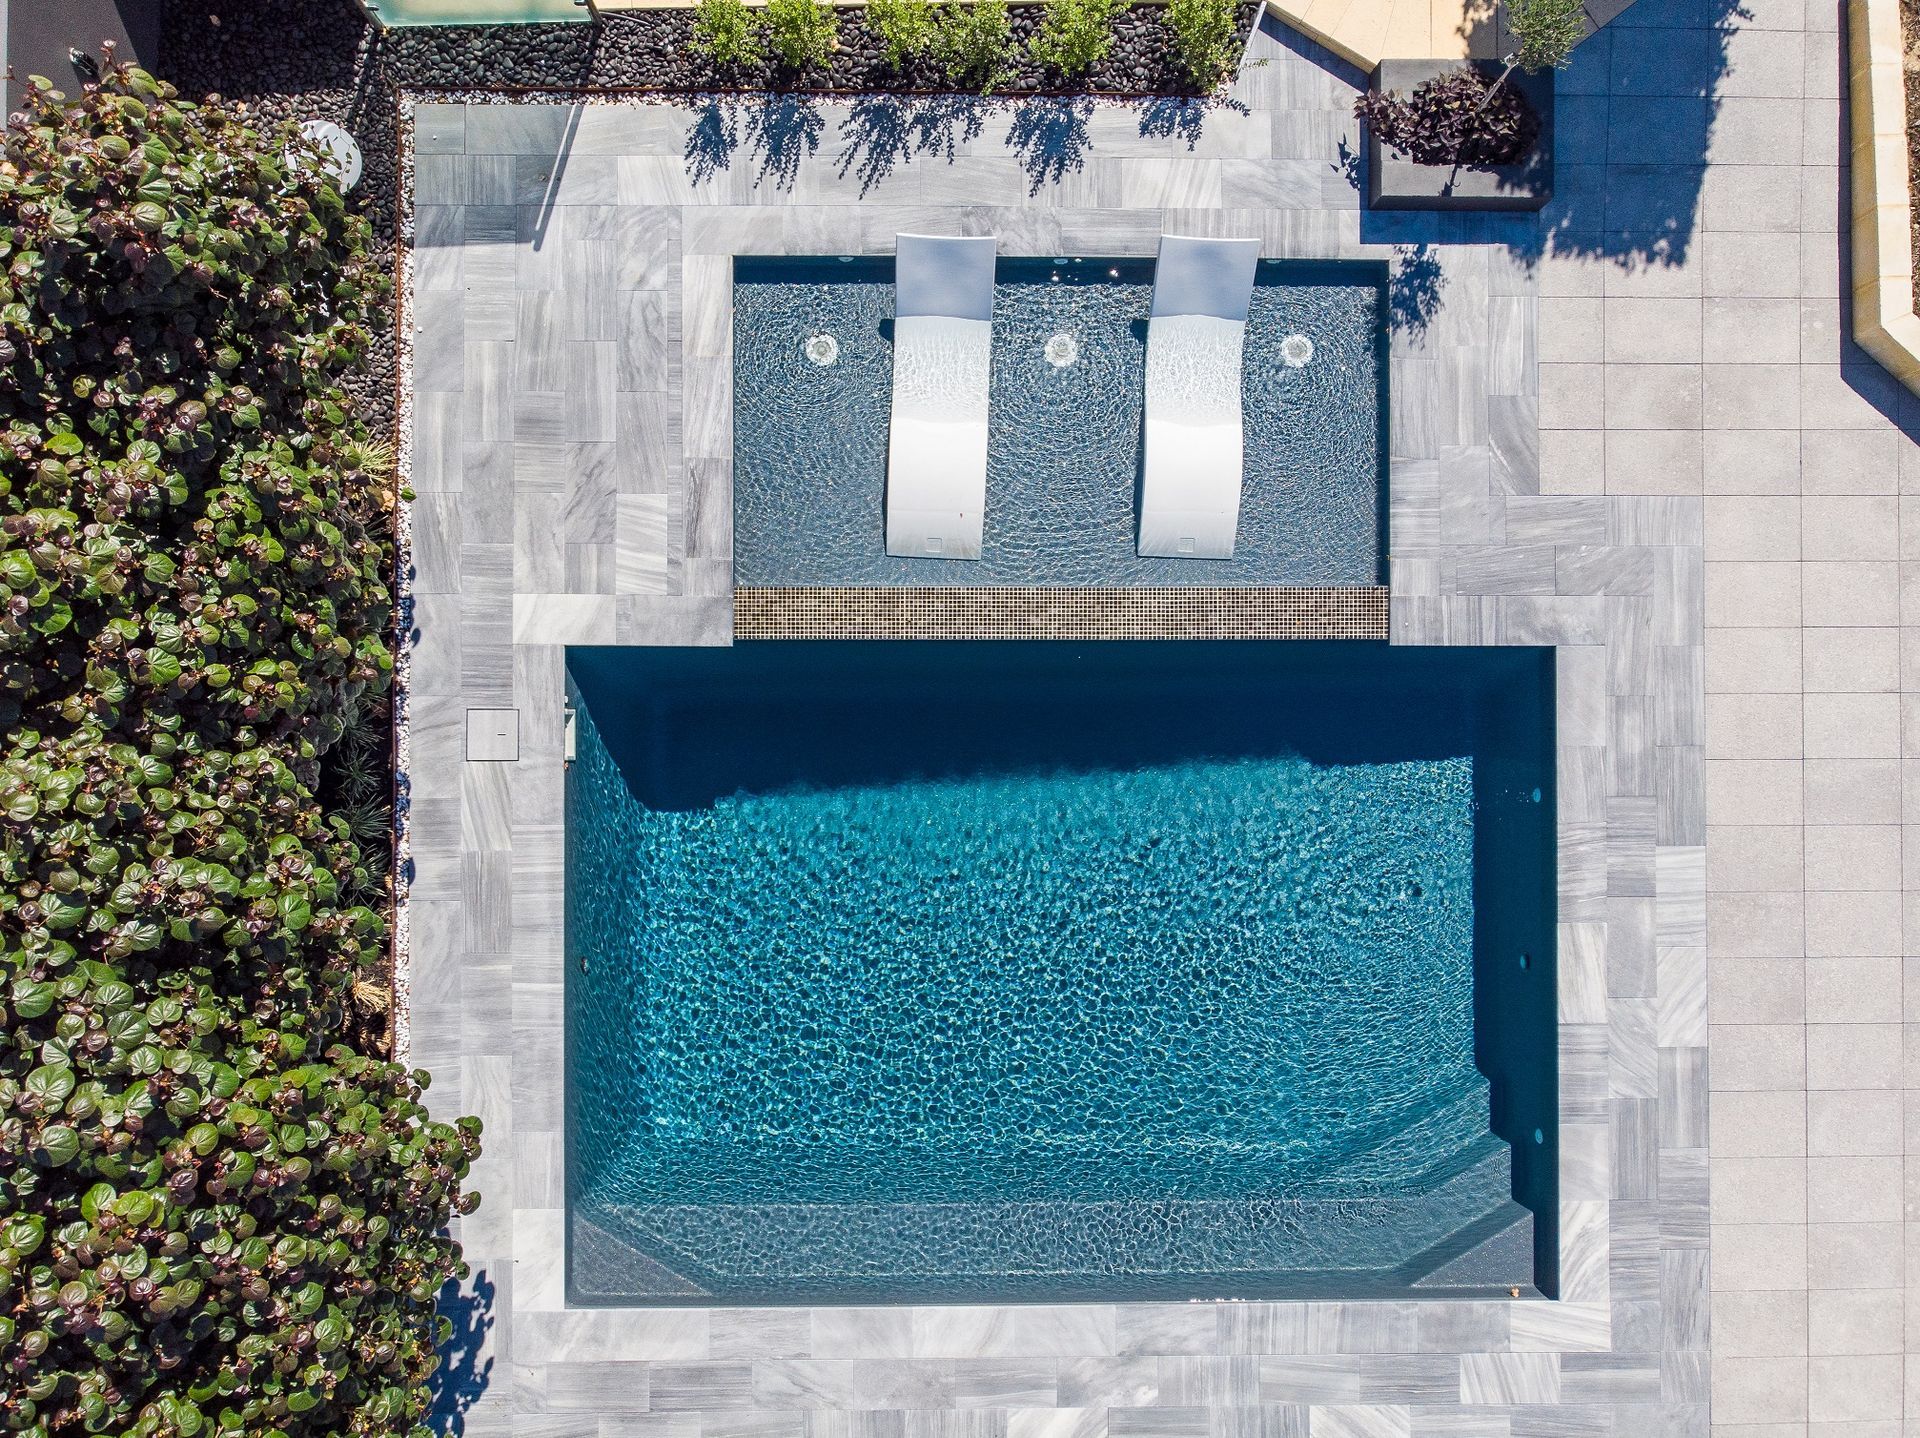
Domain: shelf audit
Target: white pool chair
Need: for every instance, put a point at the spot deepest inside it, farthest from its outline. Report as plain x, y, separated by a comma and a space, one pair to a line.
1190, 483
942, 363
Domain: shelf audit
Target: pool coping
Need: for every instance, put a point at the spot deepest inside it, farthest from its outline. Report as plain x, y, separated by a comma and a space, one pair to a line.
1632, 1013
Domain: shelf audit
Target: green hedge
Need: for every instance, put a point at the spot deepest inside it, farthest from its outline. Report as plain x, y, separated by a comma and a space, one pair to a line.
216, 1216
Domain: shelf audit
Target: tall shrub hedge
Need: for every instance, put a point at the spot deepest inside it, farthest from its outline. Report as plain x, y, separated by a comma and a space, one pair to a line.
216, 1215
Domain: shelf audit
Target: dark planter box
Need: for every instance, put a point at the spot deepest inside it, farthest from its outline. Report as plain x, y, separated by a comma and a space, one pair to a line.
1396, 183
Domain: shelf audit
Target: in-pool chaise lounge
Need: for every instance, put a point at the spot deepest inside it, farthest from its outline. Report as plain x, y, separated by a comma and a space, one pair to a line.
1190, 482
942, 361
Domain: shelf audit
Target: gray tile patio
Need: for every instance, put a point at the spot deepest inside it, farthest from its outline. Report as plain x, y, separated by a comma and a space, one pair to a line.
1632, 429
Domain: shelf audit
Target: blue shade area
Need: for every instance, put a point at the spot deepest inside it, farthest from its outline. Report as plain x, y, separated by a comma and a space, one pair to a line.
923, 972
810, 442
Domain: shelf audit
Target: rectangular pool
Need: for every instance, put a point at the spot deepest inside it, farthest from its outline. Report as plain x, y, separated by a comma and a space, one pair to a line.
921, 972
1063, 463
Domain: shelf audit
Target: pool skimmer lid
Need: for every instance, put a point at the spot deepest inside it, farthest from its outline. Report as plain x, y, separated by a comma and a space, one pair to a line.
1061, 350
1296, 351
822, 349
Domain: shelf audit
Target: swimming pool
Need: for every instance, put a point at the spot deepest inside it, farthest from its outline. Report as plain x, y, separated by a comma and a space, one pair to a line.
935, 972
810, 439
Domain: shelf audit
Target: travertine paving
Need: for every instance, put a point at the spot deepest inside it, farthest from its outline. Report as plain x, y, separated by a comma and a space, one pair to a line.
1631, 429
1727, 375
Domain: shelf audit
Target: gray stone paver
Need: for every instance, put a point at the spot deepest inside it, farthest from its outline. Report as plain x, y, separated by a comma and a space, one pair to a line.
1632, 429
1800, 453
527, 419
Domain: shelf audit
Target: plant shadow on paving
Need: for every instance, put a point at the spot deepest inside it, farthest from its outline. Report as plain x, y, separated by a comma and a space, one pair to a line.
1183, 117
466, 1366
1415, 285
885, 131
1049, 134
779, 132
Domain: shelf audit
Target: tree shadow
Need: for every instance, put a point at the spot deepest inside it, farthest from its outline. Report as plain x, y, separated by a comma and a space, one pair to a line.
779, 132
1049, 134
1633, 120
1416, 282
883, 132
465, 1364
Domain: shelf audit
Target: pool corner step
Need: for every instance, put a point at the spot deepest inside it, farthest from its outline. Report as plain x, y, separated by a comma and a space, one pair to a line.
614, 1269
1493, 1253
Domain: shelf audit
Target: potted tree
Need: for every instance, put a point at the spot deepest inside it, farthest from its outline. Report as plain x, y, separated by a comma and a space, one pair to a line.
1474, 134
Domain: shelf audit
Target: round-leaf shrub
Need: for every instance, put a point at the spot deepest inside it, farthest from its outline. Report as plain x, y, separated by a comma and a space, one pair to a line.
216, 1216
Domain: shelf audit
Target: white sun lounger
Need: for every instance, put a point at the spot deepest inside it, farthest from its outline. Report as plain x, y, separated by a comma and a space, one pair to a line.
1190, 490
942, 362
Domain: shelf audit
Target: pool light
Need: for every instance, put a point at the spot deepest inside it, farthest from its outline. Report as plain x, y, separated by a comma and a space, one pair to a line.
822, 349
1061, 350
1296, 351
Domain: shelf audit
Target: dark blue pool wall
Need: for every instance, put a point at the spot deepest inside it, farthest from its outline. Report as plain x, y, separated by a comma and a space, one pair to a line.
1515, 941
1505, 705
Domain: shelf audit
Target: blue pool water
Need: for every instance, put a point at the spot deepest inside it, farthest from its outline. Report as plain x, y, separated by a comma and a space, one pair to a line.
924, 972
810, 442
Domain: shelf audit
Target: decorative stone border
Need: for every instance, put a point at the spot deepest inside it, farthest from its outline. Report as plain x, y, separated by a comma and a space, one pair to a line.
1034, 613
1883, 319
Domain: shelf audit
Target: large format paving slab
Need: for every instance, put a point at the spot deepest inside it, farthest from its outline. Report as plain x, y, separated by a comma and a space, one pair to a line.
1631, 427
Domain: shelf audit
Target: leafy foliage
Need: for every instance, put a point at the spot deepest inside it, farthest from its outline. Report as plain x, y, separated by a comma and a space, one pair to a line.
216, 1217
906, 27
1203, 34
973, 39
727, 33
1459, 118
1075, 35
802, 33
1547, 31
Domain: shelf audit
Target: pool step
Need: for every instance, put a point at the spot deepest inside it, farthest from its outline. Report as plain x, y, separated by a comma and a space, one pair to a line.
1496, 1252
1464, 1234
1428, 1151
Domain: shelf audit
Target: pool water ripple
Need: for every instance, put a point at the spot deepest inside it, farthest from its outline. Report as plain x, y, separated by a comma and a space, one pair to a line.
850, 960
810, 443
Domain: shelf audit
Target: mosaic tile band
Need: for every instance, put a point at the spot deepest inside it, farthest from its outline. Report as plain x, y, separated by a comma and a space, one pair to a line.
885, 613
